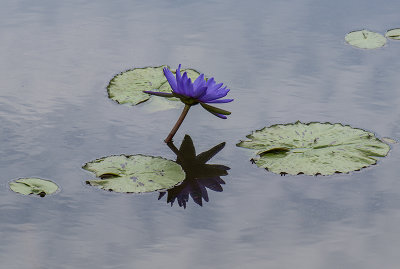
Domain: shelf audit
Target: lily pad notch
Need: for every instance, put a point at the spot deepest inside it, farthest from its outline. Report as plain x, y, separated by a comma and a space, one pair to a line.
314, 148
37, 186
134, 173
127, 87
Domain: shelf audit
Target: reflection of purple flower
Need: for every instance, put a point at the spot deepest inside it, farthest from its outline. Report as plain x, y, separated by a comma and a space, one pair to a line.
200, 91
199, 174
196, 188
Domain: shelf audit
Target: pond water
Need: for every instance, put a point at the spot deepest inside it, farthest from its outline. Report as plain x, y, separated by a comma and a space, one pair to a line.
283, 61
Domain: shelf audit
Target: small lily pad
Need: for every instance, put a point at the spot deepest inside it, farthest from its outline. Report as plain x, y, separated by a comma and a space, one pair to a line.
393, 34
127, 87
135, 173
37, 186
314, 148
365, 39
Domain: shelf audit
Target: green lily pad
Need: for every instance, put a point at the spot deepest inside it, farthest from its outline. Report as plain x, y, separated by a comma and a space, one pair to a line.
127, 87
314, 148
393, 34
135, 173
365, 39
36, 186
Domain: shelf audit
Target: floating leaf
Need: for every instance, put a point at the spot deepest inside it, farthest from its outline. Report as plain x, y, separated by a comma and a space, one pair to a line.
365, 39
36, 186
314, 148
128, 86
393, 34
135, 173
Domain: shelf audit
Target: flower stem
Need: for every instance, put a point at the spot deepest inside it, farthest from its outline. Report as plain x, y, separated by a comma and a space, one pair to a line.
177, 124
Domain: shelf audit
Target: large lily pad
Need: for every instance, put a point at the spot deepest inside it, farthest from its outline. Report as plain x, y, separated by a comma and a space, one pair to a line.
127, 87
36, 186
393, 34
365, 39
314, 148
135, 173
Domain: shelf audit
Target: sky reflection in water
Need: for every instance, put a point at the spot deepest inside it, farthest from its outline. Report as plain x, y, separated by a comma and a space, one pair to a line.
283, 61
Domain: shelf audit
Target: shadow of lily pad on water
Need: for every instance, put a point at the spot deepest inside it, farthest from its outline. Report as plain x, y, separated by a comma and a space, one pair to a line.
314, 148
199, 174
365, 39
134, 173
127, 87
393, 34
37, 186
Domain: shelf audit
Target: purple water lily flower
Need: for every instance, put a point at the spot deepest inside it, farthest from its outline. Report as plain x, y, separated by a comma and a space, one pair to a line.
198, 92
201, 91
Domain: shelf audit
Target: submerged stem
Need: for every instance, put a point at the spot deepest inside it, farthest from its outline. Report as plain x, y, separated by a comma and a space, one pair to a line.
177, 124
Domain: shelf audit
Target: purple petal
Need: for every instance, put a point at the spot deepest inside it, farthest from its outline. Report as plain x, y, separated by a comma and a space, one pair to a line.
199, 81
210, 82
162, 94
214, 95
179, 86
184, 84
170, 77
220, 101
178, 73
200, 92
213, 92
189, 87
219, 115
214, 87
198, 86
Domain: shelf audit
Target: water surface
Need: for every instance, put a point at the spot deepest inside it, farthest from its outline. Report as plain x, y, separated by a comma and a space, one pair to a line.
283, 61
